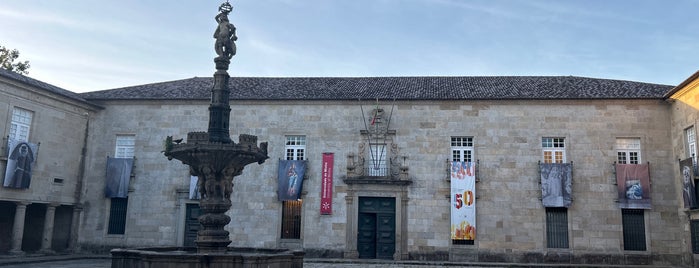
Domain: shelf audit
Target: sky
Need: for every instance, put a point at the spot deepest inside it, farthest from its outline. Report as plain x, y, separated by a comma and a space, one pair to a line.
87, 45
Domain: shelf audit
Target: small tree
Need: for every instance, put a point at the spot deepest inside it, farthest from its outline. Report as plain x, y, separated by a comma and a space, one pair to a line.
7, 58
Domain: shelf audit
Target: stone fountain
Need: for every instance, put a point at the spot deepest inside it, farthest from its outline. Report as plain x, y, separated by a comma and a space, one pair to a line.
216, 160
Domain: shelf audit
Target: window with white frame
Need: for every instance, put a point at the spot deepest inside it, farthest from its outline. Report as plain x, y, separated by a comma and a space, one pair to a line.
125, 145
295, 149
554, 150
20, 124
462, 149
628, 150
691, 142
378, 160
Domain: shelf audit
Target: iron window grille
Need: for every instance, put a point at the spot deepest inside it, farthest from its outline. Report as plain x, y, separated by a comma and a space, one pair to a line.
556, 227
634, 229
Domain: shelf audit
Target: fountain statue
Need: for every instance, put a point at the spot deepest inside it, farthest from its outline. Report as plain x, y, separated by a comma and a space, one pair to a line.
216, 160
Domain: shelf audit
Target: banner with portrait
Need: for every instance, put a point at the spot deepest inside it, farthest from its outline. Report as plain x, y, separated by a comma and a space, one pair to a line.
20, 160
463, 201
118, 176
290, 179
689, 195
633, 185
556, 184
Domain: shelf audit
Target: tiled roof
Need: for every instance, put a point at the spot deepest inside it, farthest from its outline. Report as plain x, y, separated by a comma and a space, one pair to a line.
41, 85
401, 88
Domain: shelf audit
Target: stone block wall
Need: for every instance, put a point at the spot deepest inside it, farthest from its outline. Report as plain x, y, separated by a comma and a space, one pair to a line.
507, 137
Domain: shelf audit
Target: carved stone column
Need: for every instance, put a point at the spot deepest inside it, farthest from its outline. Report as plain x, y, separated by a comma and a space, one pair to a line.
47, 238
18, 227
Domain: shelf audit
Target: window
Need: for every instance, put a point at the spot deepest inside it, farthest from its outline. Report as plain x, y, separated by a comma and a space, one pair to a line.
554, 150
694, 230
291, 210
125, 146
556, 227
117, 216
462, 149
295, 147
378, 160
117, 211
634, 229
20, 124
628, 150
691, 138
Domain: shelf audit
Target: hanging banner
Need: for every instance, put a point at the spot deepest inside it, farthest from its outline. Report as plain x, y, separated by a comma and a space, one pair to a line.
688, 191
22, 155
463, 201
633, 184
290, 179
556, 184
118, 176
326, 185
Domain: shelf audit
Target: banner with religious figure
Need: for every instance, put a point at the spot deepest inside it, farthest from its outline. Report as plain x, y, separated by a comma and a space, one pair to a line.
463, 201
290, 179
20, 160
118, 176
556, 184
633, 185
326, 185
689, 195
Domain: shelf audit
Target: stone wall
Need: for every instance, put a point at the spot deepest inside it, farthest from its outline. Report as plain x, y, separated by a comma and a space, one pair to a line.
59, 125
507, 136
685, 112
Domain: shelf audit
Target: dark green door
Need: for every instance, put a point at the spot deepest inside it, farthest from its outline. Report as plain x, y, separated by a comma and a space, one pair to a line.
191, 224
376, 227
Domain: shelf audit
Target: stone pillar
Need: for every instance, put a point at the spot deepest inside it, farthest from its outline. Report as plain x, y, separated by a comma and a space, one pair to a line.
47, 238
18, 227
351, 233
75, 229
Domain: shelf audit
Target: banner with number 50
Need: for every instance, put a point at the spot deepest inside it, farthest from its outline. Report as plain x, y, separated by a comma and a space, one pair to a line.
463, 201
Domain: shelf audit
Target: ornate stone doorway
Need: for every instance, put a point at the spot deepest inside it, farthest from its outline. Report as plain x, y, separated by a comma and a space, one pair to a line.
376, 228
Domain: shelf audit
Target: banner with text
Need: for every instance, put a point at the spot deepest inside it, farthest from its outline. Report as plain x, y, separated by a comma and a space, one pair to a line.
326, 185
633, 182
463, 201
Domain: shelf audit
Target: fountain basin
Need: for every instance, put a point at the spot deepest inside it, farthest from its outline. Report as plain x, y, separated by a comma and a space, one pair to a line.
188, 257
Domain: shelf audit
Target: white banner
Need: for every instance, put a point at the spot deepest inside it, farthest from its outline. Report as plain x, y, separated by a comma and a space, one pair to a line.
463, 201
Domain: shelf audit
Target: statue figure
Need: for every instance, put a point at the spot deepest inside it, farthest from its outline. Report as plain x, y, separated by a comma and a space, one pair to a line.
225, 33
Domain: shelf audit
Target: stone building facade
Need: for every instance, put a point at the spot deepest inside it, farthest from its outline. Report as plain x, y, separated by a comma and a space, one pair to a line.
414, 121
46, 215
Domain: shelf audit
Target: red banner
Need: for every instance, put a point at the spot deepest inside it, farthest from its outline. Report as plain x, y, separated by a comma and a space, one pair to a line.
326, 185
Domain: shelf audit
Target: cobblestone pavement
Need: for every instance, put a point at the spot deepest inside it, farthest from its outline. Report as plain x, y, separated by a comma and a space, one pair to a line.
106, 263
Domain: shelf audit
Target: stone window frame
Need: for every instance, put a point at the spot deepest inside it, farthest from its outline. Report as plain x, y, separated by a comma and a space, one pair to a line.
552, 148
557, 228
463, 147
20, 124
690, 139
634, 238
378, 160
628, 150
294, 149
125, 146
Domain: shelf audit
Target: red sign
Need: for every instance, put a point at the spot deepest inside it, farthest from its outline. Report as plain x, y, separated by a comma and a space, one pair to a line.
326, 185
